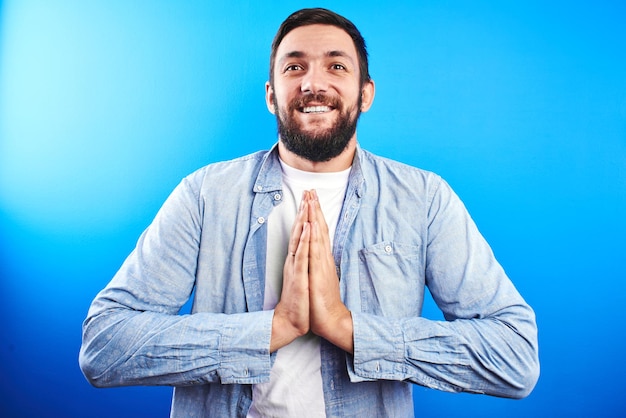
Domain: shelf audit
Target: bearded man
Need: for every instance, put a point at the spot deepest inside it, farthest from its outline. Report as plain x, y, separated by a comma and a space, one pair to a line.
308, 265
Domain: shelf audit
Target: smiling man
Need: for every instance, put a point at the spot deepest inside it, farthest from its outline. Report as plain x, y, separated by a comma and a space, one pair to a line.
308, 264
317, 93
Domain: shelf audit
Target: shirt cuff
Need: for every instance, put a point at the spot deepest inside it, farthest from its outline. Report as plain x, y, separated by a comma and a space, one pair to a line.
245, 348
379, 349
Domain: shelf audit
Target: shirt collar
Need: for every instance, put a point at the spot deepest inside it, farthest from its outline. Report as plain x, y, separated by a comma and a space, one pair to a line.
270, 177
270, 174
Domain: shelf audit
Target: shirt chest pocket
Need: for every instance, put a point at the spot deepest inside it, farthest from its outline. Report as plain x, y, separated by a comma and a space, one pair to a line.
391, 279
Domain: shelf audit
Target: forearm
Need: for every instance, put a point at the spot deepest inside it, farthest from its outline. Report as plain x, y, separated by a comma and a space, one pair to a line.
496, 355
125, 347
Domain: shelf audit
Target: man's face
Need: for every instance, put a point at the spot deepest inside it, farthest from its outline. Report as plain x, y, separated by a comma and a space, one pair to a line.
316, 95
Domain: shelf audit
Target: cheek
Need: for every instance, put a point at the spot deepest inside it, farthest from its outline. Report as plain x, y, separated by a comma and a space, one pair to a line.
278, 98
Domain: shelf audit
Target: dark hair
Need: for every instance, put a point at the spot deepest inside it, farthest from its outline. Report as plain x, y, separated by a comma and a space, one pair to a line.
321, 16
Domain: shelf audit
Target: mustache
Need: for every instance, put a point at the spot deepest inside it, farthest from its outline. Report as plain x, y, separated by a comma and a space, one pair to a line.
317, 98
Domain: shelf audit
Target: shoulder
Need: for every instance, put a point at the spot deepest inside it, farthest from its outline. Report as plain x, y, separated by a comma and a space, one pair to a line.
246, 162
393, 173
235, 168
235, 175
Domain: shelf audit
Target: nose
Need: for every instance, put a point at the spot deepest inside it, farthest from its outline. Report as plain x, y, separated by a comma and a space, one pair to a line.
314, 81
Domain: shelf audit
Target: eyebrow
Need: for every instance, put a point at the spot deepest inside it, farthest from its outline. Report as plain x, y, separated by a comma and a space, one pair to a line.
331, 54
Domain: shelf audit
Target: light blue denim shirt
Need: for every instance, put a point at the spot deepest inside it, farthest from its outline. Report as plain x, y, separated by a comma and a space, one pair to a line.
400, 229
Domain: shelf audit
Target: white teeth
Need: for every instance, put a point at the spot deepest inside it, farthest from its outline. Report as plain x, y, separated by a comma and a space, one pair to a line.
316, 109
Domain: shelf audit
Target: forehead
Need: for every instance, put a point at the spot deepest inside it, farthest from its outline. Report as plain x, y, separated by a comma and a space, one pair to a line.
316, 40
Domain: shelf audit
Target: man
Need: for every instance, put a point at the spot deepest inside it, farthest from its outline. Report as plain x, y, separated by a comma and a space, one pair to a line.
309, 265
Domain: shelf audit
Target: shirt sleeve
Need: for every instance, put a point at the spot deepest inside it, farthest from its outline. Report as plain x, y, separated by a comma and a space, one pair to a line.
488, 341
133, 334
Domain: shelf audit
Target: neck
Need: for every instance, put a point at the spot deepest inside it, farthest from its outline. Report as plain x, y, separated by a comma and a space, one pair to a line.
341, 162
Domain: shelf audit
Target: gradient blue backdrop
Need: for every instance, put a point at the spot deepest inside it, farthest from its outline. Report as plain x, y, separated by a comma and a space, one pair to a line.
105, 105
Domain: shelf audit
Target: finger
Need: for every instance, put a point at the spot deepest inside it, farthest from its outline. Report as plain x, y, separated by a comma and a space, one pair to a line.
294, 239
301, 256
317, 216
311, 196
296, 230
316, 244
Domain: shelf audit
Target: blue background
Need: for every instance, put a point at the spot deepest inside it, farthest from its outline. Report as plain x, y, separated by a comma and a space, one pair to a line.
106, 105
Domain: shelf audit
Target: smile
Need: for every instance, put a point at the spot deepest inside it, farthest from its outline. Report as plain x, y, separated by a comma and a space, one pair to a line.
316, 109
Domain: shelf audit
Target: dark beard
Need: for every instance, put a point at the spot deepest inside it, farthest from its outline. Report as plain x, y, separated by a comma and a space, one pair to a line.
320, 147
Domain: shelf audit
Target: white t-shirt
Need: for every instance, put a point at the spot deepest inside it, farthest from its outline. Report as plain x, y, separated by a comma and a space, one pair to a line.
295, 386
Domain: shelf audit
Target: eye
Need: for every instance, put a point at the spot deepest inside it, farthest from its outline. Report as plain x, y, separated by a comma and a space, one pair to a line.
338, 67
293, 67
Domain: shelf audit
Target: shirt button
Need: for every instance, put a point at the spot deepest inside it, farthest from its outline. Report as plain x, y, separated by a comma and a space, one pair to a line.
259, 188
277, 196
388, 249
260, 220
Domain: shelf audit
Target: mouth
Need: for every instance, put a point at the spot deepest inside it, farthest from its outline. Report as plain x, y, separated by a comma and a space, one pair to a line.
315, 109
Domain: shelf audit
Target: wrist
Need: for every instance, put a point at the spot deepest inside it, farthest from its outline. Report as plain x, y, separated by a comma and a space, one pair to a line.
283, 331
339, 331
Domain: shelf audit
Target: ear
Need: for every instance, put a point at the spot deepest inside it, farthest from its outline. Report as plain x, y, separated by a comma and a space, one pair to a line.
269, 97
367, 95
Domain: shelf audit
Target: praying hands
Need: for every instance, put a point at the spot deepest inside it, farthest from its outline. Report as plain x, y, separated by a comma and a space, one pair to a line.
310, 298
